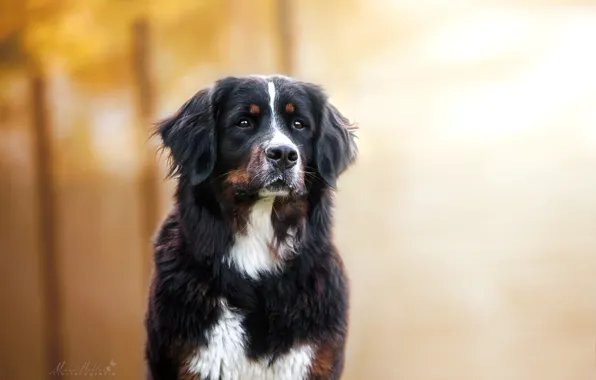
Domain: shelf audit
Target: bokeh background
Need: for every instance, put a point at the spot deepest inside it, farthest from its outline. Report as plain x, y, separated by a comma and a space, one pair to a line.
468, 225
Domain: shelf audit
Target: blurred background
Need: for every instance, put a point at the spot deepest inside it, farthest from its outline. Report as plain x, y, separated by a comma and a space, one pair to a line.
468, 225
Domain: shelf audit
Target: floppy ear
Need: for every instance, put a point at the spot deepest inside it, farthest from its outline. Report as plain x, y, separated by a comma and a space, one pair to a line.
335, 148
190, 136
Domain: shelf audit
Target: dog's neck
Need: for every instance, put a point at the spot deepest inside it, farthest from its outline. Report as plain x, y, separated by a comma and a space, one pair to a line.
243, 229
263, 240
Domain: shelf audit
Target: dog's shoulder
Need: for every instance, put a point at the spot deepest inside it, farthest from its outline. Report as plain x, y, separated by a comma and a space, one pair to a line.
169, 235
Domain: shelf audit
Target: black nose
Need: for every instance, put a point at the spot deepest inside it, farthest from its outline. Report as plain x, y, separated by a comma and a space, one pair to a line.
283, 156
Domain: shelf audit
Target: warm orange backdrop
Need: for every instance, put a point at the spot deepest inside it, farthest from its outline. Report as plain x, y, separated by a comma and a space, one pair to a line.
468, 225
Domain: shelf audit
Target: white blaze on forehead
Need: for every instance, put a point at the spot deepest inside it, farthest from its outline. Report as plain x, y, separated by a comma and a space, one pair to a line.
277, 137
271, 90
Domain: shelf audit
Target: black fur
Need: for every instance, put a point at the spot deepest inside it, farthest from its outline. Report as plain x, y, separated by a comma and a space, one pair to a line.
308, 300
190, 135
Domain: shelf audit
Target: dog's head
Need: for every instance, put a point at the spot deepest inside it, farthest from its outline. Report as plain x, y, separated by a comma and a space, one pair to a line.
260, 136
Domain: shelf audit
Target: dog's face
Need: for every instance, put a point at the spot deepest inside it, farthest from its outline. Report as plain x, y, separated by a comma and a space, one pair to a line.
259, 136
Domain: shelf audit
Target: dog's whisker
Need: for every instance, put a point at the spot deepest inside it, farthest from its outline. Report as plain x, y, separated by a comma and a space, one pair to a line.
228, 173
275, 211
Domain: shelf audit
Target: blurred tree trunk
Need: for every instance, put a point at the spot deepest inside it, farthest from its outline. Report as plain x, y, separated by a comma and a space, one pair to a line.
145, 103
46, 202
286, 38
43, 169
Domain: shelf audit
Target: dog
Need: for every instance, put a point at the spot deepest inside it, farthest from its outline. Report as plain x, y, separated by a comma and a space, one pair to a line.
247, 281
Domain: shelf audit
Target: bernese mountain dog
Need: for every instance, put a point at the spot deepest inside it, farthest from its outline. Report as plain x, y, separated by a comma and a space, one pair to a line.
248, 283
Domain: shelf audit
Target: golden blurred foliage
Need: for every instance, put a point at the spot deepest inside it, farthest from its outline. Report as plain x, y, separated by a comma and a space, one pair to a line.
91, 39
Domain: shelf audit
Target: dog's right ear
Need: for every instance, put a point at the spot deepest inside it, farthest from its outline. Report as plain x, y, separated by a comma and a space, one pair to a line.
190, 136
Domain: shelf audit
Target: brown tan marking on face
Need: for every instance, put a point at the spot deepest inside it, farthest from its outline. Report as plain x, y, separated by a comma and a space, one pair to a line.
302, 174
237, 177
290, 108
254, 109
241, 179
242, 176
255, 162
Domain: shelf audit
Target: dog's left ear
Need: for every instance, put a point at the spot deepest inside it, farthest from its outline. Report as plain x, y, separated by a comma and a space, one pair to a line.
335, 148
190, 136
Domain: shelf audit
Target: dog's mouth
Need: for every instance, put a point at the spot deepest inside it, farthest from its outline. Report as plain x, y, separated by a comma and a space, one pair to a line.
276, 187
277, 184
273, 183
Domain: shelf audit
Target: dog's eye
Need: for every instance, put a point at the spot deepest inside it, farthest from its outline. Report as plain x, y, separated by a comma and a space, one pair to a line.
244, 123
298, 124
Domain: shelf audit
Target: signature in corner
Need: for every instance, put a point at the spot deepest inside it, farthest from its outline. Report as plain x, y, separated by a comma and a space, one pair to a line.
87, 369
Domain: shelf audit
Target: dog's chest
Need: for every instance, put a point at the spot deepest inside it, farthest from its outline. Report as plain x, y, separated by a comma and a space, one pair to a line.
252, 253
224, 356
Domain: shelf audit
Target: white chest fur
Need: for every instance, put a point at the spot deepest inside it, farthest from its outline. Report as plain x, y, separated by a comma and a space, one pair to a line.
251, 253
224, 356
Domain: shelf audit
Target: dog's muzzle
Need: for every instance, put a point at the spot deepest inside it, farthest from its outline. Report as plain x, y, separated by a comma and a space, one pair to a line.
282, 170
